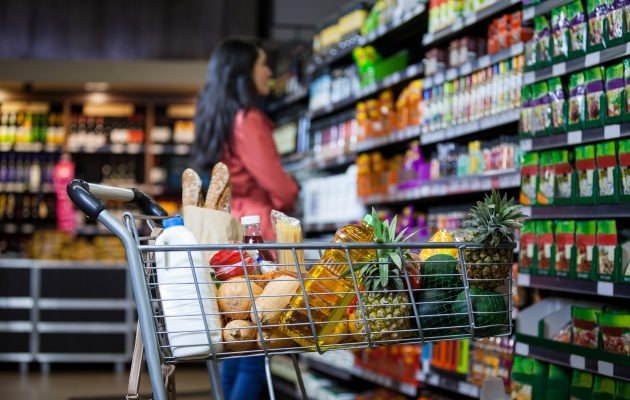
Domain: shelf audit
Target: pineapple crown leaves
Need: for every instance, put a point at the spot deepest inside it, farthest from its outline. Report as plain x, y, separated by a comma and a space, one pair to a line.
494, 220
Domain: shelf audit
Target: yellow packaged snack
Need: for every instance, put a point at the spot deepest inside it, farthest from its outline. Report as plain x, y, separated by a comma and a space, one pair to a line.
441, 236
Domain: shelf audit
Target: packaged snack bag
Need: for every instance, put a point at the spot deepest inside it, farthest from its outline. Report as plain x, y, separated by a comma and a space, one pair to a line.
586, 167
607, 251
526, 112
558, 382
585, 238
546, 184
541, 109
626, 73
565, 177
528, 254
559, 106
581, 385
607, 172
529, 179
615, 93
577, 102
565, 247
530, 55
622, 390
597, 12
615, 22
560, 34
624, 169
577, 29
603, 388
595, 99
626, 18
402, 109
545, 242
542, 37
585, 331
529, 379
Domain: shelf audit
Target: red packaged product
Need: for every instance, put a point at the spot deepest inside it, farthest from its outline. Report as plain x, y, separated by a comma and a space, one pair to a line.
545, 240
585, 238
528, 244
565, 240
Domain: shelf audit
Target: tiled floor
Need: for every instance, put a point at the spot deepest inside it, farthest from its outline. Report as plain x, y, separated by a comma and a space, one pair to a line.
192, 384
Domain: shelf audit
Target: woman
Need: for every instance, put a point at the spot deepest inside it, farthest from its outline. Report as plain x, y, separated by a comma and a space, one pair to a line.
229, 128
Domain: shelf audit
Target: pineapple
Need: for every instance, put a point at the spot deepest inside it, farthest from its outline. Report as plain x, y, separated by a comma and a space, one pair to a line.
385, 300
491, 223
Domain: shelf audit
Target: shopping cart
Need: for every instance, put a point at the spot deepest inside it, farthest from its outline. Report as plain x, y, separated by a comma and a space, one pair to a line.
313, 303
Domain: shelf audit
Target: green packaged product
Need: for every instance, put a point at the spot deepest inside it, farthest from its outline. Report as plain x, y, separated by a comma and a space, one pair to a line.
615, 332
622, 390
626, 18
615, 23
615, 93
545, 240
584, 331
595, 99
541, 109
577, 102
558, 383
546, 185
624, 169
596, 10
565, 248
529, 179
565, 177
530, 55
607, 172
608, 252
529, 378
526, 112
559, 106
626, 73
542, 36
581, 385
603, 388
528, 254
560, 34
577, 29
586, 168
585, 241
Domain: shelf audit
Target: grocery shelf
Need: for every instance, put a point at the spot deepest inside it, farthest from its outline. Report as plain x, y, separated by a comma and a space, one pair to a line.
576, 357
475, 65
591, 135
31, 147
324, 226
11, 228
339, 53
108, 149
449, 383
581, 286
577, 64
595, 211
24, 188
288, 100
321, 164
470, 20
541, 9
411, 72
398, 136
171, 149
407, 389
507, 179
470, 127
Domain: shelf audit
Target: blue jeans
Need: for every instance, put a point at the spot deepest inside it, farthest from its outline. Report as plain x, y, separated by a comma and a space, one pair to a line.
243, 378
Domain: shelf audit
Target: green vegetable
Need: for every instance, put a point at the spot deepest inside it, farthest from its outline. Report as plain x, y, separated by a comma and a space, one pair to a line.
440, 271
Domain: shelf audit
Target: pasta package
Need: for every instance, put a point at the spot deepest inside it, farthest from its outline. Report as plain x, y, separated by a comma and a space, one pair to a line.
288, 231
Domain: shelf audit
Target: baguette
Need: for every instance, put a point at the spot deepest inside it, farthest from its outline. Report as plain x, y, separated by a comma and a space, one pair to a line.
219, 184
225, 201
191, 188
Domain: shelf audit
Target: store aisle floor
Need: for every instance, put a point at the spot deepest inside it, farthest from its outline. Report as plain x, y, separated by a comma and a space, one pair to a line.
192, 384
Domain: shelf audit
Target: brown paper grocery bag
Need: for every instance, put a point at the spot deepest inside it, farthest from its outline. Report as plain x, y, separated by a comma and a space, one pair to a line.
211, 226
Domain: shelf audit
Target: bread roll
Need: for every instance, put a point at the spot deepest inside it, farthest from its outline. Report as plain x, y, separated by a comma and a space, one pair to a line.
191, 188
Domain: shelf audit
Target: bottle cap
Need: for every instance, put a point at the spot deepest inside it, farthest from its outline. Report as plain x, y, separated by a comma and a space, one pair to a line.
174, 221
250, 219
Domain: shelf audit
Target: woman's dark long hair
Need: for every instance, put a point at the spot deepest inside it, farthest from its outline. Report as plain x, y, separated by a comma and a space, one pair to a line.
229, 88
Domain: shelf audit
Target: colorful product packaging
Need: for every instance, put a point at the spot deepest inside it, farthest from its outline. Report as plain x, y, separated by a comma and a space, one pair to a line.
577, 102
607, 172
530, 55
608, 253
626, 73
581, 385
546, 186
565, 248
595, 98
615, 330
596, 10
528, 256
615, 23
624, 170
542, 37
541, 109
577, 29
586, 168
615, 93
626, 17
558, 382
603, 388
622, 390
565, 179
559, 106
529, 378
546, 249
585, 239
585, 331
560, 34
526, 112
529, 179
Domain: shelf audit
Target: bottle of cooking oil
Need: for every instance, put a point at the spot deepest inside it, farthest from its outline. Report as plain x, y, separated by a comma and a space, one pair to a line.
329, 289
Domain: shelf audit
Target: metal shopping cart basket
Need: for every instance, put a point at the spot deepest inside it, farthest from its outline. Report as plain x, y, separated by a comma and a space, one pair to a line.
318, 301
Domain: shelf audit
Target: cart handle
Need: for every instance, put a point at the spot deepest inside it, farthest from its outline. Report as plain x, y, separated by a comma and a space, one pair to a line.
86, 197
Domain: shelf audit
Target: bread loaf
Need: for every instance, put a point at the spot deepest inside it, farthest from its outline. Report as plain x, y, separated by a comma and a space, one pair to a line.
225, 201
191, 188
219, 185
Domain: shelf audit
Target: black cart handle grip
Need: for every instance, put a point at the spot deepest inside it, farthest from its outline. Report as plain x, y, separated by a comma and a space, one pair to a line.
86, 197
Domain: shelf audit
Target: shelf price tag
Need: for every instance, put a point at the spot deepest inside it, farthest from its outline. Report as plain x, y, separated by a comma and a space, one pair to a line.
434, 380
118, 148
428, 38
133, 148
526, 144
524, 280
605, 368
559, 69
466, 69
412, 70
528, 13
592, 59
451, 74
612, 131
605, 288
574, 137
522, 349
483, 62
528, 78
157, 149
381, 30
577, 362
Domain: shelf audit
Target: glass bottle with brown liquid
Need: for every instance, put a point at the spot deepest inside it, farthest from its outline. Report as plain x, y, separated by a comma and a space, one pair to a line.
329, 289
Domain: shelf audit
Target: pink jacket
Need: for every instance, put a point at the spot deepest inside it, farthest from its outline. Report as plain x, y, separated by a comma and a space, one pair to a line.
259, 183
